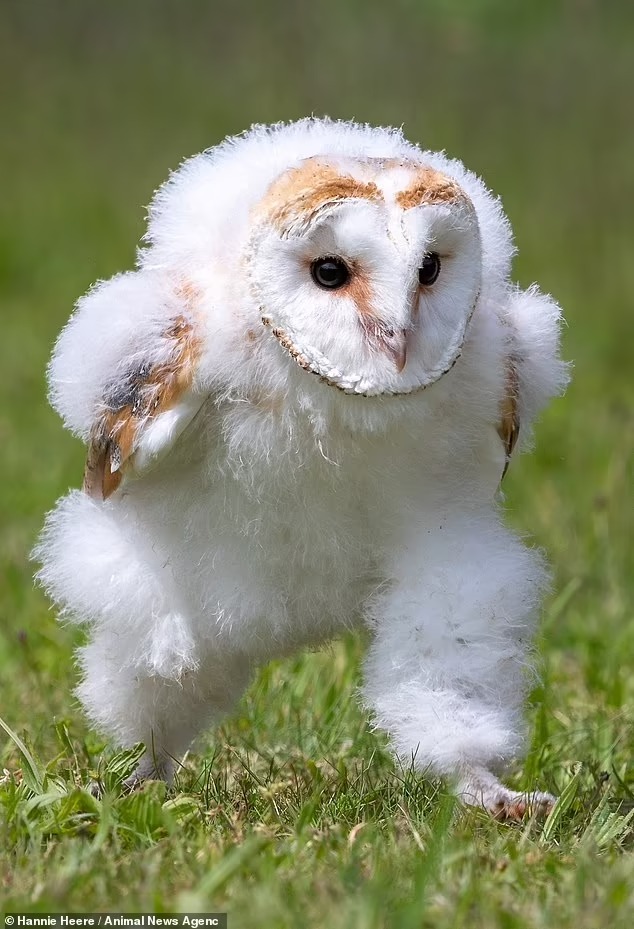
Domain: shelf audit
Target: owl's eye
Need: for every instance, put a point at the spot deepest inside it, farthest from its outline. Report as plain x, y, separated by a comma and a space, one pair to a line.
330, 272
429, 270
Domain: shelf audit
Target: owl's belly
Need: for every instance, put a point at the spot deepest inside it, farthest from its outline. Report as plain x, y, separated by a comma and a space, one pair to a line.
285, 582
270, 554
262, 573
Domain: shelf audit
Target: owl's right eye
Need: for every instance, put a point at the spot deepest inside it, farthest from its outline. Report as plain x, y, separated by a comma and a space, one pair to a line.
330, 273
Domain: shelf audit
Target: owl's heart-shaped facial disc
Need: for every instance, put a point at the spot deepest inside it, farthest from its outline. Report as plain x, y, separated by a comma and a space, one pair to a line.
367, 271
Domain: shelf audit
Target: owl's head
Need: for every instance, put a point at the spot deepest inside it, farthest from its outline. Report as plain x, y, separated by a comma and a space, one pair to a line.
363, 256
367, 270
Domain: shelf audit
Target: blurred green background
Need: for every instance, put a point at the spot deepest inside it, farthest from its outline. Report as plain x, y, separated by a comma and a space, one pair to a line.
99, 101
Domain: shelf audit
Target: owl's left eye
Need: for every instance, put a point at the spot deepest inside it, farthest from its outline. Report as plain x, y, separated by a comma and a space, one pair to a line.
330, 273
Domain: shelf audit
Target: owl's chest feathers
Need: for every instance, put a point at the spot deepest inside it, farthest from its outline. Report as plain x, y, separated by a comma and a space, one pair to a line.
291, 514
360, 447
300, 486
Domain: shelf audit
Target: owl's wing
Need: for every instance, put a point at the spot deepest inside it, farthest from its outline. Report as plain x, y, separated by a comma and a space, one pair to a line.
144, 411
509, 424
123, 374
534, 370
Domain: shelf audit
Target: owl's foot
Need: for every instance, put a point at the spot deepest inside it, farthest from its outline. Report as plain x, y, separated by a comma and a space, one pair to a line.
150, 768
136, 780
481, 788
514, 806
146, 770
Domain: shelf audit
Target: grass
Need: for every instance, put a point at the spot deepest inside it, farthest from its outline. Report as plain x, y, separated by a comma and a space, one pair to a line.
294, 814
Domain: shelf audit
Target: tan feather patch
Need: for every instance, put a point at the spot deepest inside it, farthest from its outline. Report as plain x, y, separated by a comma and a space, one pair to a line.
299, 193
145, 393
360, 290
509, 426
429, 186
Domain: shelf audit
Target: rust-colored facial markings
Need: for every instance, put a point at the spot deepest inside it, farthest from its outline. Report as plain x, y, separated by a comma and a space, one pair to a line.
429, 186
360, 291
143, 394
298, 194
377, 334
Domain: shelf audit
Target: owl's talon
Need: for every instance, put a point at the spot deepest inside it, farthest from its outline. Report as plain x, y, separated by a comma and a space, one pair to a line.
483, 789
95, 789
132, 783
527, 805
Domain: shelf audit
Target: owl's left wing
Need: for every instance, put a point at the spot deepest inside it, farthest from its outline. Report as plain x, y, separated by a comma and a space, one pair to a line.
534, 370
509, 424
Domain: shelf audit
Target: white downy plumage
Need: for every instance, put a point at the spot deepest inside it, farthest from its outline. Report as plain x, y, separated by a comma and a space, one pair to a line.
298, 411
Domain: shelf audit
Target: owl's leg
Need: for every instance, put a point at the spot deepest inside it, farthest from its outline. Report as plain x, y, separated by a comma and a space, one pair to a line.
448, 669
166, 714
146, 675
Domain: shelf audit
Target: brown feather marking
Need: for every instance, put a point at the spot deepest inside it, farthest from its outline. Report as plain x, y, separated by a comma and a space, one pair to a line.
429, 186
378, 335
300, 192
360, 290
509, 426
149, 392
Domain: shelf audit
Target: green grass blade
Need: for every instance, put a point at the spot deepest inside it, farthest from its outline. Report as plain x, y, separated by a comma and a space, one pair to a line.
30, 768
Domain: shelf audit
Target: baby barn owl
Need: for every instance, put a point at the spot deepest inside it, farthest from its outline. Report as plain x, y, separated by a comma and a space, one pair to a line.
298, 410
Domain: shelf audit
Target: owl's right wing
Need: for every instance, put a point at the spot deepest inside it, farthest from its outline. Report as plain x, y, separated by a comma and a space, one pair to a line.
123, 374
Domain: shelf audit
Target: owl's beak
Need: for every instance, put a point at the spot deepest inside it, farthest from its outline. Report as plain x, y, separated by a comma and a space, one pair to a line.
400, 352
394, 343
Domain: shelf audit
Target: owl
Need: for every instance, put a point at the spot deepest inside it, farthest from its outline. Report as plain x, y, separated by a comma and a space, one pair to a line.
298, 410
